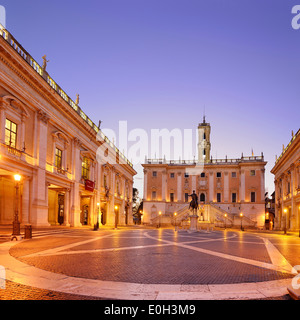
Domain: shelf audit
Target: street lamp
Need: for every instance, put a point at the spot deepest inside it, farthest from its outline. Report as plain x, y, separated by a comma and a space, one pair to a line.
159, 218
225, 215
284, 228
16, 222
175, 214
241, 215
116, 216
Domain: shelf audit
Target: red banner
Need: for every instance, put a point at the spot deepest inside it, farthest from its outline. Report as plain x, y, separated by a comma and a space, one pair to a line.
89, 185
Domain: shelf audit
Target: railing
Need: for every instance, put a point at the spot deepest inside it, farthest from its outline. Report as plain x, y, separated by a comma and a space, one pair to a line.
287, 147
39, 70
211, 161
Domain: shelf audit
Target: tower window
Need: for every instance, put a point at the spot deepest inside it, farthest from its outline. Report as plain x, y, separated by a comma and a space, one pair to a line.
204, 136
252, 172
219, 174
153, 195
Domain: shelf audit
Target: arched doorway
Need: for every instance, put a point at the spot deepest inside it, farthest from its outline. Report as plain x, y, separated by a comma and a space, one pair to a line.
202, 197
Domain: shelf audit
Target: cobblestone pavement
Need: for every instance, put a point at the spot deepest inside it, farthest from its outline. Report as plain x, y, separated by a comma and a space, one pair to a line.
156, 257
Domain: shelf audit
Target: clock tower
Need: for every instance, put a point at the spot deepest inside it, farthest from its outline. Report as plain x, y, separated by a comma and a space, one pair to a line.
204, 145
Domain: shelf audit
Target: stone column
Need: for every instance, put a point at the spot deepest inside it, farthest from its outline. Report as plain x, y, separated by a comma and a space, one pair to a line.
211, 186
163, 196
242, 186
40, 203
226, 186
145, 183
75, 195
25, 202
179, 186
67, 208
262, 185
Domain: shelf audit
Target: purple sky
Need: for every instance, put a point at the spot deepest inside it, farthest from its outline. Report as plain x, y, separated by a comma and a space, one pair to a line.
156, 63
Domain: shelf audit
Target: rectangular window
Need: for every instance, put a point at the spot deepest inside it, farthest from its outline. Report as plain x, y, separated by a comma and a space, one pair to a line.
186, 197
219, 174
233, 174
58, 158
252, 172
154, 174
172, 175
202, 175
186, 175
153, 195
85, 168
104, 181
10, 133
252, 196
172, 197
218, 197
233, 197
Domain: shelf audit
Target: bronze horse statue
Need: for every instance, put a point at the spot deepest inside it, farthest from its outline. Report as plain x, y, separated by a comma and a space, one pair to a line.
194, 203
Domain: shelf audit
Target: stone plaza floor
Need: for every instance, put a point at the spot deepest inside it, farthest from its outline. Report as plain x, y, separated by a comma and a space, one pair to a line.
149, 264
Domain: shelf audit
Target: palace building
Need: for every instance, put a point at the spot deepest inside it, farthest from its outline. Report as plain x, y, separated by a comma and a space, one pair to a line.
287, 186
56, 166
230, 191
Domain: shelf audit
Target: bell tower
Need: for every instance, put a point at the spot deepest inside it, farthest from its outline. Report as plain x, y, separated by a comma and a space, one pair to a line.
204, 141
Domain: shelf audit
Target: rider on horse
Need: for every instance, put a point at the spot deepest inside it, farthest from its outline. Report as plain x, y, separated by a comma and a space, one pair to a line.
194, 202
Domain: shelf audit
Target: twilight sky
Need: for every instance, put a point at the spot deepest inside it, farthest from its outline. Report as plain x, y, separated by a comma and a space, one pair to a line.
157, 63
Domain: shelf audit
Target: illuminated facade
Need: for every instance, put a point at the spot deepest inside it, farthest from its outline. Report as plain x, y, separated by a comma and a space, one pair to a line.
230, 191
287, 186
71, 174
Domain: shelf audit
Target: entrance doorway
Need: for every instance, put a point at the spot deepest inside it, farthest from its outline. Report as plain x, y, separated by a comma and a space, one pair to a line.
61, 208
85, 215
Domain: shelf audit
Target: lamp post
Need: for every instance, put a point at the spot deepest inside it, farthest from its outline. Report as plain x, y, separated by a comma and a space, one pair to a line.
284, 227
241, 215
116, 216
225, 215
16, 222
159, 213
175, 215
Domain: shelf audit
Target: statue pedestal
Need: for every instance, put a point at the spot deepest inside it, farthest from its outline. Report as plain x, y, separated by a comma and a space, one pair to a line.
193, 222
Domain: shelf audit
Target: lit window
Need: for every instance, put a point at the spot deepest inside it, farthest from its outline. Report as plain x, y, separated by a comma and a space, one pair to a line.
58, 158
10, 133
85, 169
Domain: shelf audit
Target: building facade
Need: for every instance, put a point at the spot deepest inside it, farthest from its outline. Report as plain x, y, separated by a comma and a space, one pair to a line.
287, 186
71, 174
230, 191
